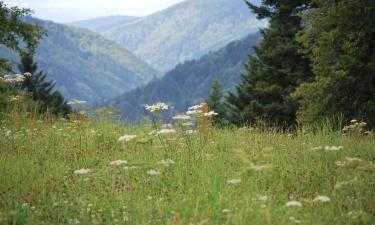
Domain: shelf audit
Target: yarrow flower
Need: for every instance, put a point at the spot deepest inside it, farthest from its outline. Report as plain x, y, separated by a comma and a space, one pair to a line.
166, 162
293, 204
166, 131
182, 117
258, 167
156, 107
226, 211
76, 102
118, 162
322, 198
127, 138
14, 78
234, 181
211, 113
328, 148
82, 171
153, 172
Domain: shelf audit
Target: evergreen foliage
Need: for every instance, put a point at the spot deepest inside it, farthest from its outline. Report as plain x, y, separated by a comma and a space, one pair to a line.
215, 103
41, 90
340, 40
276, 71
16, 34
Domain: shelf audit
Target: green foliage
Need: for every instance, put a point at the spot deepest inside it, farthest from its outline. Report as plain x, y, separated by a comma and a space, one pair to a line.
190, 83
15, 33
186, 31
340, 42
215, 103
275, 72
40, 90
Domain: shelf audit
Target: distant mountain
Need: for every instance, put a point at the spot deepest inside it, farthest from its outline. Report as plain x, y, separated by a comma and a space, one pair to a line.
86, 65
190, 82
103, 24
185, 31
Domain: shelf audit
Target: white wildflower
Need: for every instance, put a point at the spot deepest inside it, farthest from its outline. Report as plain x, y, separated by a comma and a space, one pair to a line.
262, 198
130, 167
153, 172
166, 131
257, 167
211, 113
354, 121
193, 112
225, 211
156, 107
82, 171
234, 181
293, 204
182, 117
166, 162
195, 107
127, 138
322, 198
118, 162
76, 102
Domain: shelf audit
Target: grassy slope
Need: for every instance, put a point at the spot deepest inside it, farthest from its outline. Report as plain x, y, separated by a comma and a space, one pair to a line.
38, 184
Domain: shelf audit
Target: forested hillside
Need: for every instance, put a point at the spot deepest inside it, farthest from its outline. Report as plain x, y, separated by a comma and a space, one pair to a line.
186, 31
102, 24
191, 81
86, 65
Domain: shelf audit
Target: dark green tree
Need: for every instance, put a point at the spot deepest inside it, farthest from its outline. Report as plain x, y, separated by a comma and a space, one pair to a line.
16, 34
215, 103
277, 69
340, 40
41, 90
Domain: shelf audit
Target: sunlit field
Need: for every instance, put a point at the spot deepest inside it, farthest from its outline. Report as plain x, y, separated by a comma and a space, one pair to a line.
101, 171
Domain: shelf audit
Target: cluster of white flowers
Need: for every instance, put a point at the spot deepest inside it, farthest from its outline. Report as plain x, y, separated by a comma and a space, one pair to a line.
321, 198
257, 167
182, 117
156, 107
15, 98
166, 162
82, 171
234, 181
194, 110
293, 204
211, 113
118, 162
166, 131
328, 148
127, 138
76, 102
15, 78
153, 172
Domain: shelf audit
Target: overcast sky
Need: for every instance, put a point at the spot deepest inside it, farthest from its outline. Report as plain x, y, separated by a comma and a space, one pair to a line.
72, 10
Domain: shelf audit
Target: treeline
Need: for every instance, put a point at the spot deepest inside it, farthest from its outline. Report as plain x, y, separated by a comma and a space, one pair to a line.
316, 61
29, 83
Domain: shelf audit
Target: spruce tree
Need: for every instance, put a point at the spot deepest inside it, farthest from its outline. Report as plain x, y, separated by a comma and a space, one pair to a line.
340, 41
215, 103
40, 89
276, 71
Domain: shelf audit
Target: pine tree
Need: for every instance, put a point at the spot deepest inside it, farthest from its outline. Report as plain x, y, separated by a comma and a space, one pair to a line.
215, 103
340, 41
276, 71
40, 89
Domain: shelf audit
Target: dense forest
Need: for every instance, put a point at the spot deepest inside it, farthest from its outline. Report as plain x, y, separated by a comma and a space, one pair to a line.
190, 82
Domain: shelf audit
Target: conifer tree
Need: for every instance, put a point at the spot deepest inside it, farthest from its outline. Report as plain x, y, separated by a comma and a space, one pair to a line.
276, 71
215, 103
340, 41
40, 89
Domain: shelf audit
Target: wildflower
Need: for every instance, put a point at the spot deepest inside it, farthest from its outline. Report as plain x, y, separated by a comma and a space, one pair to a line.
76, 102
191, 131
82, 171
153, 172
257, 167
118, 162
327, 148
130, 168
354, 121
182, 117
262, 198
166, 131
234, 181
322, 198
211, 113
166, 162
226, 211
195, 107
156, 107
127, 138
15, 98
8, 133
193, 112
27, 74
293, 204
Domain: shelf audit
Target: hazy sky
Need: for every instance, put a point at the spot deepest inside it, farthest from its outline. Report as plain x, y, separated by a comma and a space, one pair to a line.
73, 10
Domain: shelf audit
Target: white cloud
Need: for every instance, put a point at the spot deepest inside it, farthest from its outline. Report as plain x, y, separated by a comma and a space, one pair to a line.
73, 10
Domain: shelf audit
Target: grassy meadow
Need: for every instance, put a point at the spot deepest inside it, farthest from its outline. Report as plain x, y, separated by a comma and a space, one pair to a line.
76, 171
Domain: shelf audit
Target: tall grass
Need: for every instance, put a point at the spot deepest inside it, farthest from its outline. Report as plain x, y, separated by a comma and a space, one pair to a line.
229, 176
